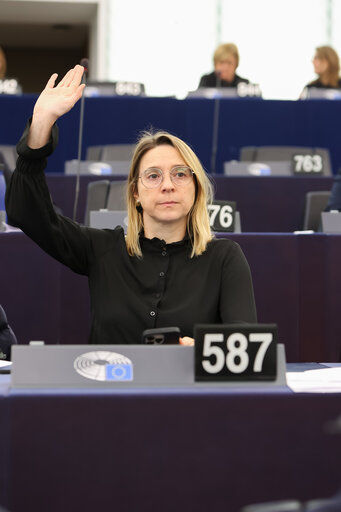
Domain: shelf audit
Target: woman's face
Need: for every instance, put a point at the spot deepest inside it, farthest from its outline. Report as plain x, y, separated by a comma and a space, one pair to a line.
226, 68
168, 202
320, 65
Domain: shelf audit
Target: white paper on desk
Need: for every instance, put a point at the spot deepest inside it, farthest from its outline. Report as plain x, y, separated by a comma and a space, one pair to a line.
10, 229
5, 363
324, 380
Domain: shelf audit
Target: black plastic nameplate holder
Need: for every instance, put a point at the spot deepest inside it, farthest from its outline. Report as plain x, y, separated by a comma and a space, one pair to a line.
222, 215
304, 164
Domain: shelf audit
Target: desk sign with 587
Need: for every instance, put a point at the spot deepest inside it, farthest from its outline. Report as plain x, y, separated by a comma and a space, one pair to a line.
235, 352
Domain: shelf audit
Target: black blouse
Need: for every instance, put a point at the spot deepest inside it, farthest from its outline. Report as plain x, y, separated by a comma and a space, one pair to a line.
211, 80
319, 85
164, 288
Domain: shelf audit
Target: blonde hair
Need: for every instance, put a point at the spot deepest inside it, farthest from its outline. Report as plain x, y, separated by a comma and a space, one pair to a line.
198, 226
329, 54
3, 64
224, 51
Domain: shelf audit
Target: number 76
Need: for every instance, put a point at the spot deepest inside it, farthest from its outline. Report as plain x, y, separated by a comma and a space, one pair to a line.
225, 214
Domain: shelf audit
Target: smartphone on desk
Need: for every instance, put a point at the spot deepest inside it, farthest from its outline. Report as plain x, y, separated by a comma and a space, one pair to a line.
161, 336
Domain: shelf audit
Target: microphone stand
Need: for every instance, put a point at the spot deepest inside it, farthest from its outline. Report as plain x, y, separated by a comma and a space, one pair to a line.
215, 127
80, 139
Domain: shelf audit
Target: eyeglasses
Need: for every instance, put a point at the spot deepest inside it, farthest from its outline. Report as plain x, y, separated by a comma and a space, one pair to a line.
153, 177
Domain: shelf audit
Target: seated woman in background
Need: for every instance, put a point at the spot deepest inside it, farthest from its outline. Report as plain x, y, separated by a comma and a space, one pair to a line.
3, 64
327, 66
226, 61
169, 270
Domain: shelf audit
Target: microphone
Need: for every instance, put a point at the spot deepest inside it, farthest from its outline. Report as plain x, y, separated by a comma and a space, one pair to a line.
218, 79
7, 337
85, 63
215, 130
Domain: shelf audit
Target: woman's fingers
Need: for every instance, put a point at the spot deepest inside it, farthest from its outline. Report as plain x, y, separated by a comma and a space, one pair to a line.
186, 340
73, 77
65, 78
79, 92
69, 78
51, 81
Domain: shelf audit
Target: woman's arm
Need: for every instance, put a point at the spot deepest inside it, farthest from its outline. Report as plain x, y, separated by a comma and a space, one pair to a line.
28, 201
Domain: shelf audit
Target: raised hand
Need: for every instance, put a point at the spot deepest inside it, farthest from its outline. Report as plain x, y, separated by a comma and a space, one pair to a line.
53, 102
56, 101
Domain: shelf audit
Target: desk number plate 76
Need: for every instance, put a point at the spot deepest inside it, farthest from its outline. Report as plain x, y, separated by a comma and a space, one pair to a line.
235, 352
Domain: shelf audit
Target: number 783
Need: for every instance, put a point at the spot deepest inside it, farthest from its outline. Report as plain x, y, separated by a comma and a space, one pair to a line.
237, 357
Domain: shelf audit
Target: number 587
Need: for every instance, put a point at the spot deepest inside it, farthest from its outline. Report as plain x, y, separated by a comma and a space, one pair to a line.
235, 356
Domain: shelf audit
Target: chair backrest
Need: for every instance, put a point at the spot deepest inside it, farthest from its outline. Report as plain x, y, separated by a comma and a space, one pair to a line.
325, 505
120, 152
315, 203
97, 197
2, 190
7, 337
9, 154
94, 153
275, 506
334, 202
283, 153
6, 171
116, 196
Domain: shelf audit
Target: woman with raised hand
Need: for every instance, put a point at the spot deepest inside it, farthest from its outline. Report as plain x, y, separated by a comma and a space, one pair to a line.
169, 270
